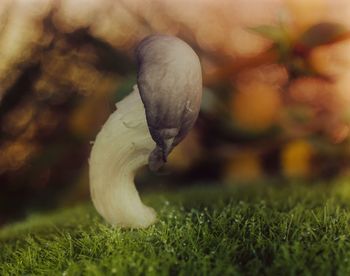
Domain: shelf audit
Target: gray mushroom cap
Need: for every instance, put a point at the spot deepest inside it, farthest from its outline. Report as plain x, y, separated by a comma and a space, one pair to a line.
169, 79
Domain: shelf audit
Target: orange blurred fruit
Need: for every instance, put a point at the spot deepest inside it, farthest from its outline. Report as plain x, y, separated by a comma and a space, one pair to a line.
244, 165
256, 107
296, 159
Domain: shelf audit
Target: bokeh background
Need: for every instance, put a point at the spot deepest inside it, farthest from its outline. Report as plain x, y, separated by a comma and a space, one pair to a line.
276, 102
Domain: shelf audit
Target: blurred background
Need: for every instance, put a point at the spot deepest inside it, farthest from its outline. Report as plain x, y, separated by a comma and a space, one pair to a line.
276, 102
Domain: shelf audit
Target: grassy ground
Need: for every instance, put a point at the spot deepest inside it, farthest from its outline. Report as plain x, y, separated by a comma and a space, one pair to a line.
247, 230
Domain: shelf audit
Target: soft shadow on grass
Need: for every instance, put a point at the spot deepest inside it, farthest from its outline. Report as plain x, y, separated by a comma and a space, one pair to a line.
255, 229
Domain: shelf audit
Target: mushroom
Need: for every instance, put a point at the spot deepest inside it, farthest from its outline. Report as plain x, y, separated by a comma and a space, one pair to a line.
146, 126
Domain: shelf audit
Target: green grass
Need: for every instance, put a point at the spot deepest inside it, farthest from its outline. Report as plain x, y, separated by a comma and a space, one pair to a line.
296, 229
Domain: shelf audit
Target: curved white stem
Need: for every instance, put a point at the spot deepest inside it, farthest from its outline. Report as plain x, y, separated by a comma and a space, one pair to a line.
121, 147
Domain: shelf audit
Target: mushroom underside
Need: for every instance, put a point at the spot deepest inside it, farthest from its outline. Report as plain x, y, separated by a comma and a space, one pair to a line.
122, 146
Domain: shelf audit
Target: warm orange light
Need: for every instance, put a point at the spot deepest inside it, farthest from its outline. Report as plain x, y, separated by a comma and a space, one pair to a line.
256, 106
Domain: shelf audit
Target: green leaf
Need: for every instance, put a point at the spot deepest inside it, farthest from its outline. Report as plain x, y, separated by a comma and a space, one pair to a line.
275, 33
279, 36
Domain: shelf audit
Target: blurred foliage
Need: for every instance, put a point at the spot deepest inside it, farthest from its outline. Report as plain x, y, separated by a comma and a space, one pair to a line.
275, 104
